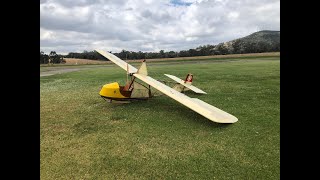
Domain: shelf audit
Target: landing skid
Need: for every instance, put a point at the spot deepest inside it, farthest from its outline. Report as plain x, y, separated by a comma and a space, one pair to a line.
124, 100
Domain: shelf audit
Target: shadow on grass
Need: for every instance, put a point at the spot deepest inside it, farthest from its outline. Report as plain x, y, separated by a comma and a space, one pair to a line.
169, 106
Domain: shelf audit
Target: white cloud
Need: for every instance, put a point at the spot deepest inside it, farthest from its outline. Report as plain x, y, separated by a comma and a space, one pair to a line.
233, 15
150, 25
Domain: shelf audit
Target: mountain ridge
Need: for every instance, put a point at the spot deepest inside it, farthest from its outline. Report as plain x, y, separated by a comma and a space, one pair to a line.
257, 42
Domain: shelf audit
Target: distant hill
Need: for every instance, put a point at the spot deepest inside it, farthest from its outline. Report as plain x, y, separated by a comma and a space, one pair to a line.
262, 41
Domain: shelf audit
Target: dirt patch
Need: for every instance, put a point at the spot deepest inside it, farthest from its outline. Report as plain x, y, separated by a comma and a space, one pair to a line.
59, 71
65, 69
75, 61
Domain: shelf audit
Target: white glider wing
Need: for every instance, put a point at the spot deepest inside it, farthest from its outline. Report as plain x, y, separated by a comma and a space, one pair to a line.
203, 108
127, 67
182, 82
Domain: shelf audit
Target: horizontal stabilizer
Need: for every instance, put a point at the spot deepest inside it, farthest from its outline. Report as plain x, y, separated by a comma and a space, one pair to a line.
182, 82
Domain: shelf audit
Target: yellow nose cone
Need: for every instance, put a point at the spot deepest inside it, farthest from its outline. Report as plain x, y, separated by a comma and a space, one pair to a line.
111, 90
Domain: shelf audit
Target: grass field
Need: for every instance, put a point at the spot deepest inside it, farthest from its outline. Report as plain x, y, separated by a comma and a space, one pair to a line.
84, 137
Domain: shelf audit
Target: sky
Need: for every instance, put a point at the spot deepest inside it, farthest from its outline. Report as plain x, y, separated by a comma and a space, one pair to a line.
150, 25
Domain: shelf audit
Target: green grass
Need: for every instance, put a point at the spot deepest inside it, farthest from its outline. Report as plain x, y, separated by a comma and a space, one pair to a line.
84, 137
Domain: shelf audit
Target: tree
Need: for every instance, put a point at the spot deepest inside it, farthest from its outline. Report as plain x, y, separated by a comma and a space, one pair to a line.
237, 49
54, 58
162, 54
44, 59
222, 49
184, 53
193, 52
171, 54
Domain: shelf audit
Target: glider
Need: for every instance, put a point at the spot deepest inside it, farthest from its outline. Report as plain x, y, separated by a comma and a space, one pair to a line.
136, 90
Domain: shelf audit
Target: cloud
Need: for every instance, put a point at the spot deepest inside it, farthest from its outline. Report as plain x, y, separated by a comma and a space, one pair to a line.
150, 25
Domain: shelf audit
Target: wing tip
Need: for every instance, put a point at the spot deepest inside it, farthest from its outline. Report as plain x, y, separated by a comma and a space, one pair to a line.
102, 51
226, 118
226, 121
230, 120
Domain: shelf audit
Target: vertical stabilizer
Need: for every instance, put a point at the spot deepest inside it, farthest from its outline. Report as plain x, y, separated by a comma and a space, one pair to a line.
188, 79
143, 68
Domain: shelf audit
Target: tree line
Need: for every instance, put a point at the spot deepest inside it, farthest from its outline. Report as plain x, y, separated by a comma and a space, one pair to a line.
236, 47
124, 54
52, 58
